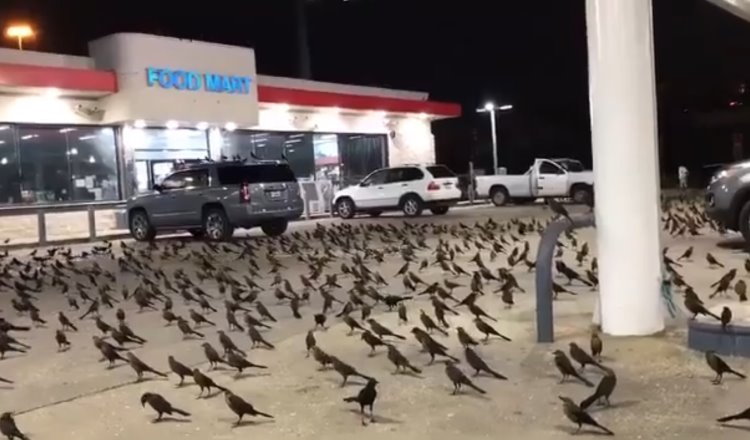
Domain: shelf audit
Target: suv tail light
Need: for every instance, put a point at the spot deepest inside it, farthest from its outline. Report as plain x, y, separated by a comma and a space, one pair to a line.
244, 193
433, 186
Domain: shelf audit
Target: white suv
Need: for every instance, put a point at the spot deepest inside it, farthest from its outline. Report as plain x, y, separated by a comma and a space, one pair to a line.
409, 188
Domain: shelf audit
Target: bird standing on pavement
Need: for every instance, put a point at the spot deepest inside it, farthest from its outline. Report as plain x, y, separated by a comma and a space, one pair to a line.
241, 407
566, 368
366, 397
719, 366
8, 427
161, 405
458, 378
580, 417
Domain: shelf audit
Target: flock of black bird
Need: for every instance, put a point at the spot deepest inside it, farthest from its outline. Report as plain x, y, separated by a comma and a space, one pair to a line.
208, 274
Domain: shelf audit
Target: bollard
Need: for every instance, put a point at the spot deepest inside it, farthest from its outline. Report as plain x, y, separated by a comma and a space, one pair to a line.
41, 223
92, 221
545, 331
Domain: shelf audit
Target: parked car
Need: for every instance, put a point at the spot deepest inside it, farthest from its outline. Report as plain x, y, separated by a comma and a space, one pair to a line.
212, 199
409, 188
546, 178
728, 198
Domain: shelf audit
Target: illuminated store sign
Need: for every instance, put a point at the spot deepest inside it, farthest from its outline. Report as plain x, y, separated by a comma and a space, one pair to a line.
197, 81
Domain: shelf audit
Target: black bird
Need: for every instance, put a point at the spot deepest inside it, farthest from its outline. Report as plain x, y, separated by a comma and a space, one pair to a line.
431, 346
234, 360
205, 382
161, 405
212, 355
381, 330
62, 340
371, 340
603, 390
739, 416
458, 378
580, 417
65, 322
365, 397
566, 368
345, 370
479, 365
582, 357
488, 330
429, 324
179, 369
8, 427
141, 367
187, 332
399, 360
257, 338
720, 367
559, 209
240, 407
228, 344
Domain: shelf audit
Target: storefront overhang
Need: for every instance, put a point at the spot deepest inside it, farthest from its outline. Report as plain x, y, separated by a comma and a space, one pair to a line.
32, 79
323, 99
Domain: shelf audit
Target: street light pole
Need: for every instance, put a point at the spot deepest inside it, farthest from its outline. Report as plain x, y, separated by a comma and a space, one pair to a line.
491, 108
493, 124
19, 32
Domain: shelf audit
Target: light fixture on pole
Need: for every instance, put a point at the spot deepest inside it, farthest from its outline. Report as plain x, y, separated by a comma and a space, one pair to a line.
491, 108
20, 32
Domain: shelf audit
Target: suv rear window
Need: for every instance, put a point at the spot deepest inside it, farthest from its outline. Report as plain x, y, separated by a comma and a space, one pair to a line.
440, 171
262, 173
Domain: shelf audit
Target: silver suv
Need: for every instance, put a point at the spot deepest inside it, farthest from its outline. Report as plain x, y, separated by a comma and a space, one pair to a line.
212, 199
728, 198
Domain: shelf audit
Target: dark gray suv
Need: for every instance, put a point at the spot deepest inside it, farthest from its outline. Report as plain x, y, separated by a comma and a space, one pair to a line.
212, 199
728, 198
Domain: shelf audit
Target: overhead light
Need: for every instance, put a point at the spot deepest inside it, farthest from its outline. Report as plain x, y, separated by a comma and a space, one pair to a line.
172, 124
4, 127
86, 138
139, 123
2, 142
4, 161
29, 136
52, 92
73, 151
202, 125
67, 130
506, 107
230, 126
92, 159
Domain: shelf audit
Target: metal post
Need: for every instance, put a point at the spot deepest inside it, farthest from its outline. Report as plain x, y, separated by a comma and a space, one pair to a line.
471, 182
494, 140
545, 330
41, 227
92, 222
305, 71
20, 42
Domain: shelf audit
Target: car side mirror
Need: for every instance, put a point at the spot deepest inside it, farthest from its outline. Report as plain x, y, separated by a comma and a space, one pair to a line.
158, 187
364, 184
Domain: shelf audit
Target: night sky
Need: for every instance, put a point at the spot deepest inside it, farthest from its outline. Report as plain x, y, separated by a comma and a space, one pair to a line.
528, 53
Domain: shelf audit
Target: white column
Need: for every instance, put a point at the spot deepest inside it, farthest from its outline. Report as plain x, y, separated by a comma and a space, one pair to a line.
626, 165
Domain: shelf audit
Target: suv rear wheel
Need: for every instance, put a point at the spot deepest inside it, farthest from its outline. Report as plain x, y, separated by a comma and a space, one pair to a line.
411, 206
275, 227
216, 225
345, 208
140, 227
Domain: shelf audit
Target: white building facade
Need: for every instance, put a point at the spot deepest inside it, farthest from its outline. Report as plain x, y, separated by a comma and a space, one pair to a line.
104, 127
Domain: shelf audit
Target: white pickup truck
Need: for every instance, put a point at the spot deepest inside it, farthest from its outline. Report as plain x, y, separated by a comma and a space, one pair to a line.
546, 178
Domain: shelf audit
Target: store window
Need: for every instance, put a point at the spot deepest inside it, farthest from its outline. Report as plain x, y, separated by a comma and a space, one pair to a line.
66, 164
360, 154
159, 151
10, 173
297, 148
